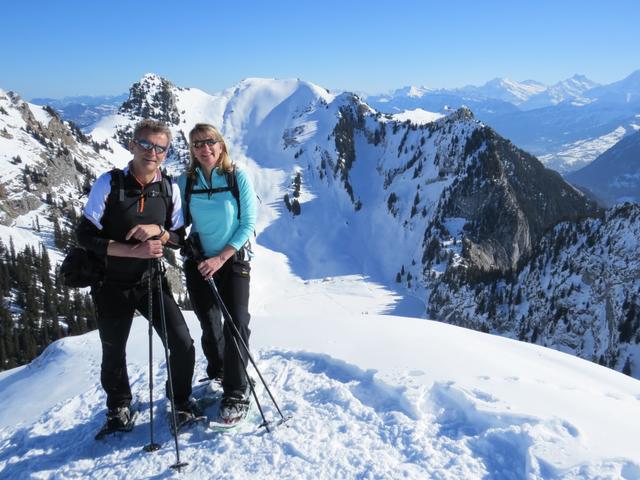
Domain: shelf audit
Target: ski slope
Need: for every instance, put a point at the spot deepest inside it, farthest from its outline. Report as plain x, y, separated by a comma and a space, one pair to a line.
371, 395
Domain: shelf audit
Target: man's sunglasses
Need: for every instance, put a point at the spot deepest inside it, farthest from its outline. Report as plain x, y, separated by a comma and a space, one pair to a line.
198, 144
151, 146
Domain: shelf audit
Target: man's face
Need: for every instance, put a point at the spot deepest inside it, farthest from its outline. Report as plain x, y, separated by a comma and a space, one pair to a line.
146, 162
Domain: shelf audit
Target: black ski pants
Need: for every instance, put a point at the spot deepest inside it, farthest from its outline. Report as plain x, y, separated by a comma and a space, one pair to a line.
115, 307
232, 281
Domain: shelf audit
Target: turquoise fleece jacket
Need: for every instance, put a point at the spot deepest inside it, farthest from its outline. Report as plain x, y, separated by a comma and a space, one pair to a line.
215, 216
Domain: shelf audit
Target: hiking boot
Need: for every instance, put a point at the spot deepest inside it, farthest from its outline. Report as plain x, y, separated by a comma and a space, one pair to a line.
187, 410
233, 408
215, 374
118, 418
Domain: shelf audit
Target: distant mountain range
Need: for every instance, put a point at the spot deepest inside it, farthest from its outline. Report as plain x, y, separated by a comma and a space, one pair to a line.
566, 125
83, 110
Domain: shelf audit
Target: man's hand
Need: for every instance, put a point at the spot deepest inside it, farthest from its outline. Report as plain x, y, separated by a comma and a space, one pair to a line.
148, 249
143, 232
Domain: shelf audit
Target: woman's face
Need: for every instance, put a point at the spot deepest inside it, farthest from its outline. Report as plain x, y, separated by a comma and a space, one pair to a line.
206, 150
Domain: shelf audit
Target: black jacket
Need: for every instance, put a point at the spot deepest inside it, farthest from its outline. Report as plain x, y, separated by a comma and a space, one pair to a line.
109, 216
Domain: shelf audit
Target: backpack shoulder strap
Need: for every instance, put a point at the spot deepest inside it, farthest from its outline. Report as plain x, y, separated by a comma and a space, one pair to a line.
117, 184
188, 190
232, 183
166, 187
166, 191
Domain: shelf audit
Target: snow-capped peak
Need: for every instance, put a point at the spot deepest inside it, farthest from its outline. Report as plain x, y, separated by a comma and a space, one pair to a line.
571, 89
411, 91
508, 90
151, 78
417, 91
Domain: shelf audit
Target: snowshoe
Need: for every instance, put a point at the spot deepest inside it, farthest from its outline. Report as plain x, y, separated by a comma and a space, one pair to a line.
119, 419
187, 414
233, 410
207, 393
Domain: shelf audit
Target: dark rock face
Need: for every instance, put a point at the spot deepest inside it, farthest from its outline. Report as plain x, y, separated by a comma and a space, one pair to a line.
510, 199
579, 292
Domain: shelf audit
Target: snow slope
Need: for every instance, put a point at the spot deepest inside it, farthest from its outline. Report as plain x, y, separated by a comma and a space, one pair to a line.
371, 396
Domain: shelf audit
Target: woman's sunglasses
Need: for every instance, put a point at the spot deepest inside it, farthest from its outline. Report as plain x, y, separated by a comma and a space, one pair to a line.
198, 144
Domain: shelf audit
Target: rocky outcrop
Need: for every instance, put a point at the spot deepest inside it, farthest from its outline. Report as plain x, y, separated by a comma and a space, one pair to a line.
53, 155
152, 97
509, 200
579, 292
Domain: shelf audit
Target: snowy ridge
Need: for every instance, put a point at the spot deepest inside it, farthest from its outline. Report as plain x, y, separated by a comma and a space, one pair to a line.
329, 168
505, 89
44, 164
434, 405
571, 89
418, 116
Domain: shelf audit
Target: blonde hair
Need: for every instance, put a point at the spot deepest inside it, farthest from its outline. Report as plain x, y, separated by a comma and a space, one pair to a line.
224, 163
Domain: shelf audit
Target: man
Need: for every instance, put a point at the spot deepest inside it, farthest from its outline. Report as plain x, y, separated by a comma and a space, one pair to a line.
129, 217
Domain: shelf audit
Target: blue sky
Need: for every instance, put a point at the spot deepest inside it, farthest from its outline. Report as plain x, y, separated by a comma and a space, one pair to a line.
60, 48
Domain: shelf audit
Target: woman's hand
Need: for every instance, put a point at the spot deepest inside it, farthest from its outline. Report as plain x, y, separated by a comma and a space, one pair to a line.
210, 266
143, 232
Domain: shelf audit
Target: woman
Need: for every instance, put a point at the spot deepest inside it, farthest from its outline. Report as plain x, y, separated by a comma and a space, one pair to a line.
220, 204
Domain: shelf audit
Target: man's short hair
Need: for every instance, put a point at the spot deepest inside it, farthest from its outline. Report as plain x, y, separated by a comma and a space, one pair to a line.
152, 126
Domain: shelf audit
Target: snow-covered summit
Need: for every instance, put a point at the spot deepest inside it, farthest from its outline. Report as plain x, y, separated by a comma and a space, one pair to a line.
412, 91
571, 89
417, 116
504, 89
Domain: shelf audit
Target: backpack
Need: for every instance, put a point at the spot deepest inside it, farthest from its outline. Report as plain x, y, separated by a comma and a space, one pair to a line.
232, 186
82, 268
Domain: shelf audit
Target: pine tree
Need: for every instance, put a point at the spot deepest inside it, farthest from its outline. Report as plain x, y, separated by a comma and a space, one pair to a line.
12, 252
627, 366
27, 350
6, 338
58, 239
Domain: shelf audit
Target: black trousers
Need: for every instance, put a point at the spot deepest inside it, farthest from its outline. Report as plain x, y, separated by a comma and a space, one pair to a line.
232, 281
115, 307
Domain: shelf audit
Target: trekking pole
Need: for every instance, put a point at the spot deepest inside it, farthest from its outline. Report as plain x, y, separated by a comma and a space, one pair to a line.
152, 447
236, 335
163, 321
